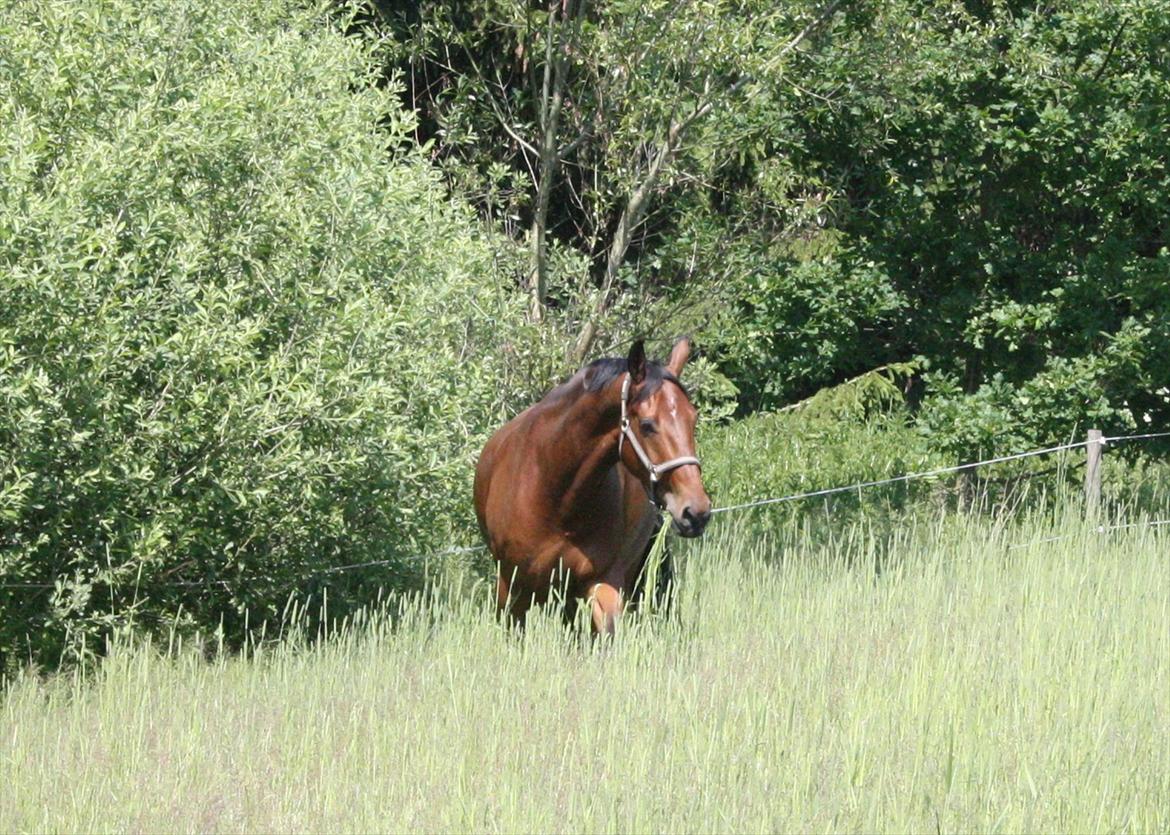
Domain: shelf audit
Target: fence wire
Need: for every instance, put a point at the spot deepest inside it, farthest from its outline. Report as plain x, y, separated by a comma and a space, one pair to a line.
1100, 529
940, 471
745, 506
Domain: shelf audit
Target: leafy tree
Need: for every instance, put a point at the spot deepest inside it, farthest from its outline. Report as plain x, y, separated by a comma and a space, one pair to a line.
981, 185
598, 107
245, 338
1006, 167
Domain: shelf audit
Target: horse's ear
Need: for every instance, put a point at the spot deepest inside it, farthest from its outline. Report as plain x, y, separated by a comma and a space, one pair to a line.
679, 355
636, 362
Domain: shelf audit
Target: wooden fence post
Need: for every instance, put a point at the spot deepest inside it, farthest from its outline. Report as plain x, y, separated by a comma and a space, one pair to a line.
1093, 449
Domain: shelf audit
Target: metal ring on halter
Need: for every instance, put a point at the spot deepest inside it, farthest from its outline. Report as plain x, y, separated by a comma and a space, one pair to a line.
655, 470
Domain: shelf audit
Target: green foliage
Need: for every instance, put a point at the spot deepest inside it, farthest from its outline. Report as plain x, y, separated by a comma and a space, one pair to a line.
802, 324
602, 105
857, 432
861, 431
876, 392
244, 339
1056, 405
1006, 167
980, 185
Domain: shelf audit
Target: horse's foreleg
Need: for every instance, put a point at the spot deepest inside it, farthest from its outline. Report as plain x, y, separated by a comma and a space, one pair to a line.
512, 601
607, 606
503, 589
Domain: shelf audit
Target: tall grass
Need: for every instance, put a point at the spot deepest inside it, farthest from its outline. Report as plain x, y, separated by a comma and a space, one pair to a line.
930, 679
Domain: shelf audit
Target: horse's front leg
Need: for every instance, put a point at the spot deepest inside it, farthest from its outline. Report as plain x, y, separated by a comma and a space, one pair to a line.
606, 605
512, 602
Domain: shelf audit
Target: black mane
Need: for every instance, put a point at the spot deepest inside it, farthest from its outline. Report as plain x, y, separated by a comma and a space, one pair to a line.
602, 372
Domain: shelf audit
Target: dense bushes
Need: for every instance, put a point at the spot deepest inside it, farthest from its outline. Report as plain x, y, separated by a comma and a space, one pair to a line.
242, 339
826, 443
1005, 166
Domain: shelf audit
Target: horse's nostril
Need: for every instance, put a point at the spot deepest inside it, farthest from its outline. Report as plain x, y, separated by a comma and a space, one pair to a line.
696, 520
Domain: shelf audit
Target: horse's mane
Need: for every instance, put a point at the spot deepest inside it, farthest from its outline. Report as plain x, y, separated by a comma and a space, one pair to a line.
602, 372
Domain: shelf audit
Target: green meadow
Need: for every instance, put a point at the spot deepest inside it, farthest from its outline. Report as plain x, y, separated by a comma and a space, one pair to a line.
958, 674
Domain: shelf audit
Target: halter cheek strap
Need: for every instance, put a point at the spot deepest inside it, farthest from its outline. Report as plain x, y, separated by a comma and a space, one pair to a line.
656, 470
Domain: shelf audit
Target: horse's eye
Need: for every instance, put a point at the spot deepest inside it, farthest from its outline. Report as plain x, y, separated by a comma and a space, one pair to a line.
648, 427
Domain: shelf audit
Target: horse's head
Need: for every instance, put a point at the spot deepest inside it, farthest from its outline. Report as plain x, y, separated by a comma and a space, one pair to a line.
658, 437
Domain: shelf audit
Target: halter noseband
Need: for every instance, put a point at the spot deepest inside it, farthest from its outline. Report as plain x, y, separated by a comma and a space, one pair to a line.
655, 470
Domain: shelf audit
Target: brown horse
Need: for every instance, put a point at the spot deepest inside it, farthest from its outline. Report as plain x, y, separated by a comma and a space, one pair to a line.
569, 485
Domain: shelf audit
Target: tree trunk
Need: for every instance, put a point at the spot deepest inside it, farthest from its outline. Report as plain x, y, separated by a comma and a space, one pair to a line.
636, 206
631, 216
552, 95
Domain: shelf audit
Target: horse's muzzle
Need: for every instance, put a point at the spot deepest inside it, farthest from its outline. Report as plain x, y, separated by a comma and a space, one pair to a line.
691, 524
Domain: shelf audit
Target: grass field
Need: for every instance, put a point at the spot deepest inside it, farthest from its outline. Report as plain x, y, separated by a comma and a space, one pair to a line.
932, 680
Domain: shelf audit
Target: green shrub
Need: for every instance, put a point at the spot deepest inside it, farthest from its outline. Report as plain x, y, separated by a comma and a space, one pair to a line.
803, 321
861, 432
767, 456
244, 337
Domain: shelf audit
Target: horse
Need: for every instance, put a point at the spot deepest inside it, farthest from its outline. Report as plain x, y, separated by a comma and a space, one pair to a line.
570, 490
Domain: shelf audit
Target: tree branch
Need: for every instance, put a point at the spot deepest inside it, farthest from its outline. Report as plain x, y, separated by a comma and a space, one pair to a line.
1112, 48
635, 208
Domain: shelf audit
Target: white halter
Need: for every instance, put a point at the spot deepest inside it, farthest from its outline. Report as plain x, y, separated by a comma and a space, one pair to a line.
655, 470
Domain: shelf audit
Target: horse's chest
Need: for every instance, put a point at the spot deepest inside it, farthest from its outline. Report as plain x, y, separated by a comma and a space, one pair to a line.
611, 555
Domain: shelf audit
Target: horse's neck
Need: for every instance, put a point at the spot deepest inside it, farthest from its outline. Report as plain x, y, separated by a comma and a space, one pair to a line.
588, 438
